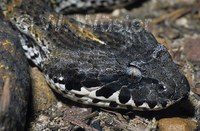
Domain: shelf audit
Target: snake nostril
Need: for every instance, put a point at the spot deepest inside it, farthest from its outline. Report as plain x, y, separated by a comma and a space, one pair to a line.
161, 88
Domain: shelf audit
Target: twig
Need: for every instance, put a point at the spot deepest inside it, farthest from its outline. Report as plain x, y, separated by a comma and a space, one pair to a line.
79, 122
5, 96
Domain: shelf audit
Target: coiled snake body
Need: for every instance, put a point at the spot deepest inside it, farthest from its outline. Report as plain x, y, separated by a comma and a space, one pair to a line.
107, 65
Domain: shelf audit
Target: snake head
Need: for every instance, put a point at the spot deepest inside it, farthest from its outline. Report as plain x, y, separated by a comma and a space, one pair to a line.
132, 70
23, 22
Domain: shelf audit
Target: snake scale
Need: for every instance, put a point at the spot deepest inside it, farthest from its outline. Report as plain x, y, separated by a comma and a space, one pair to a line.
118, 65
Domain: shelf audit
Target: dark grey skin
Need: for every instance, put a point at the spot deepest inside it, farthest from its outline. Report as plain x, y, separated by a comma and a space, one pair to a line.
131, 62
117, 65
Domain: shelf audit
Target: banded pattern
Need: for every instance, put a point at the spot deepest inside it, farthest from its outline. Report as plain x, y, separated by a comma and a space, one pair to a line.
72, 6
32, 51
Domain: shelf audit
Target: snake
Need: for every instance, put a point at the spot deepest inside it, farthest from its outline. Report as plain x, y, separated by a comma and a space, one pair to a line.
116, 65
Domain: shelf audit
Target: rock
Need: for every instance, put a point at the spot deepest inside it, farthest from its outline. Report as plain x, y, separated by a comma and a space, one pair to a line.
192, 50
14, 80
42, 95
176, 124
196, 90
183, 22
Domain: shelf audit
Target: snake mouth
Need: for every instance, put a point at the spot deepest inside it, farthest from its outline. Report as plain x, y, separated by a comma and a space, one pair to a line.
148, 94
131, 105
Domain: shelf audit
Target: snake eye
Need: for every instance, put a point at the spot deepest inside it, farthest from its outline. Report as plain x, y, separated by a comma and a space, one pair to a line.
134, 73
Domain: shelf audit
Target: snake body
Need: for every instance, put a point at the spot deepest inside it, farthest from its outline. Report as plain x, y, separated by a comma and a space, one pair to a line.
107, 65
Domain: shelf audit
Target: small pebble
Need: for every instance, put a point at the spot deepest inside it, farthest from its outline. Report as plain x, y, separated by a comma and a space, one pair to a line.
176, 124
192, 50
